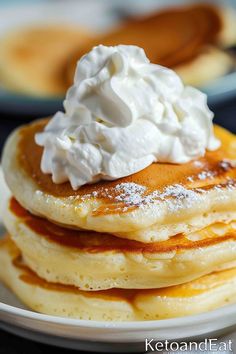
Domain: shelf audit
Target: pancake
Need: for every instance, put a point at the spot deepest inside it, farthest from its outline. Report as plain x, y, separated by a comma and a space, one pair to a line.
209, 65
158, 202
227, 35
172, 37
32, 59
199, 63
207, 293
94, 261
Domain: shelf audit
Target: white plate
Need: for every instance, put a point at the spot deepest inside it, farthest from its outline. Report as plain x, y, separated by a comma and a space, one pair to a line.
105, 336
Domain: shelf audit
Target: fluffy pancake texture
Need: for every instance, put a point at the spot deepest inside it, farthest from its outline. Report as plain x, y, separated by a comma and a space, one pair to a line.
32, 59
153, 204
94, 261
207, 293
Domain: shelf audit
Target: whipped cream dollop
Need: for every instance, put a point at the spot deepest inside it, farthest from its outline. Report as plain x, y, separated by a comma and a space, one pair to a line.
121, 115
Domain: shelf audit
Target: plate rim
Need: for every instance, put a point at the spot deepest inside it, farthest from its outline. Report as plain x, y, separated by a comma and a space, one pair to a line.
131, 325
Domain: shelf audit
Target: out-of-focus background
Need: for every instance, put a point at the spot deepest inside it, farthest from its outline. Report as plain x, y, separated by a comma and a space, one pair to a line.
42, 40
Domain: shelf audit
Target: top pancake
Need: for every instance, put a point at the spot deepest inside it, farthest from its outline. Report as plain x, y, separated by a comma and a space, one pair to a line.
155, 203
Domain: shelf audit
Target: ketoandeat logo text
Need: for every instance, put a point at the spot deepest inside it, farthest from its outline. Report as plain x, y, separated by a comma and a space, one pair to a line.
209, 345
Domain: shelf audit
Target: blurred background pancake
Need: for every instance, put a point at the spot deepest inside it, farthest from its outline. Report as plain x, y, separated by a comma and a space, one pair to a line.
171, 37
32, 58
41, 43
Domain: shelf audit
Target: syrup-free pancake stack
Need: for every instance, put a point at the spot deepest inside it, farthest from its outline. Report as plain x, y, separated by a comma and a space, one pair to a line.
157, 244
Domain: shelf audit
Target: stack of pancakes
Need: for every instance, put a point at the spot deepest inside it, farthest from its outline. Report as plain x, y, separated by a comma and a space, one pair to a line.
157, 244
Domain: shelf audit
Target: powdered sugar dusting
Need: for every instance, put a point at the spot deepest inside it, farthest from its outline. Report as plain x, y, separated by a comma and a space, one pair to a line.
179, 192
222, 166
131, 193
206, 175
198, 163
175, 197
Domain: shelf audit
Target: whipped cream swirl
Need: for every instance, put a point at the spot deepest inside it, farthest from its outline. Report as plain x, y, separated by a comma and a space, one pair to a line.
121, 115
